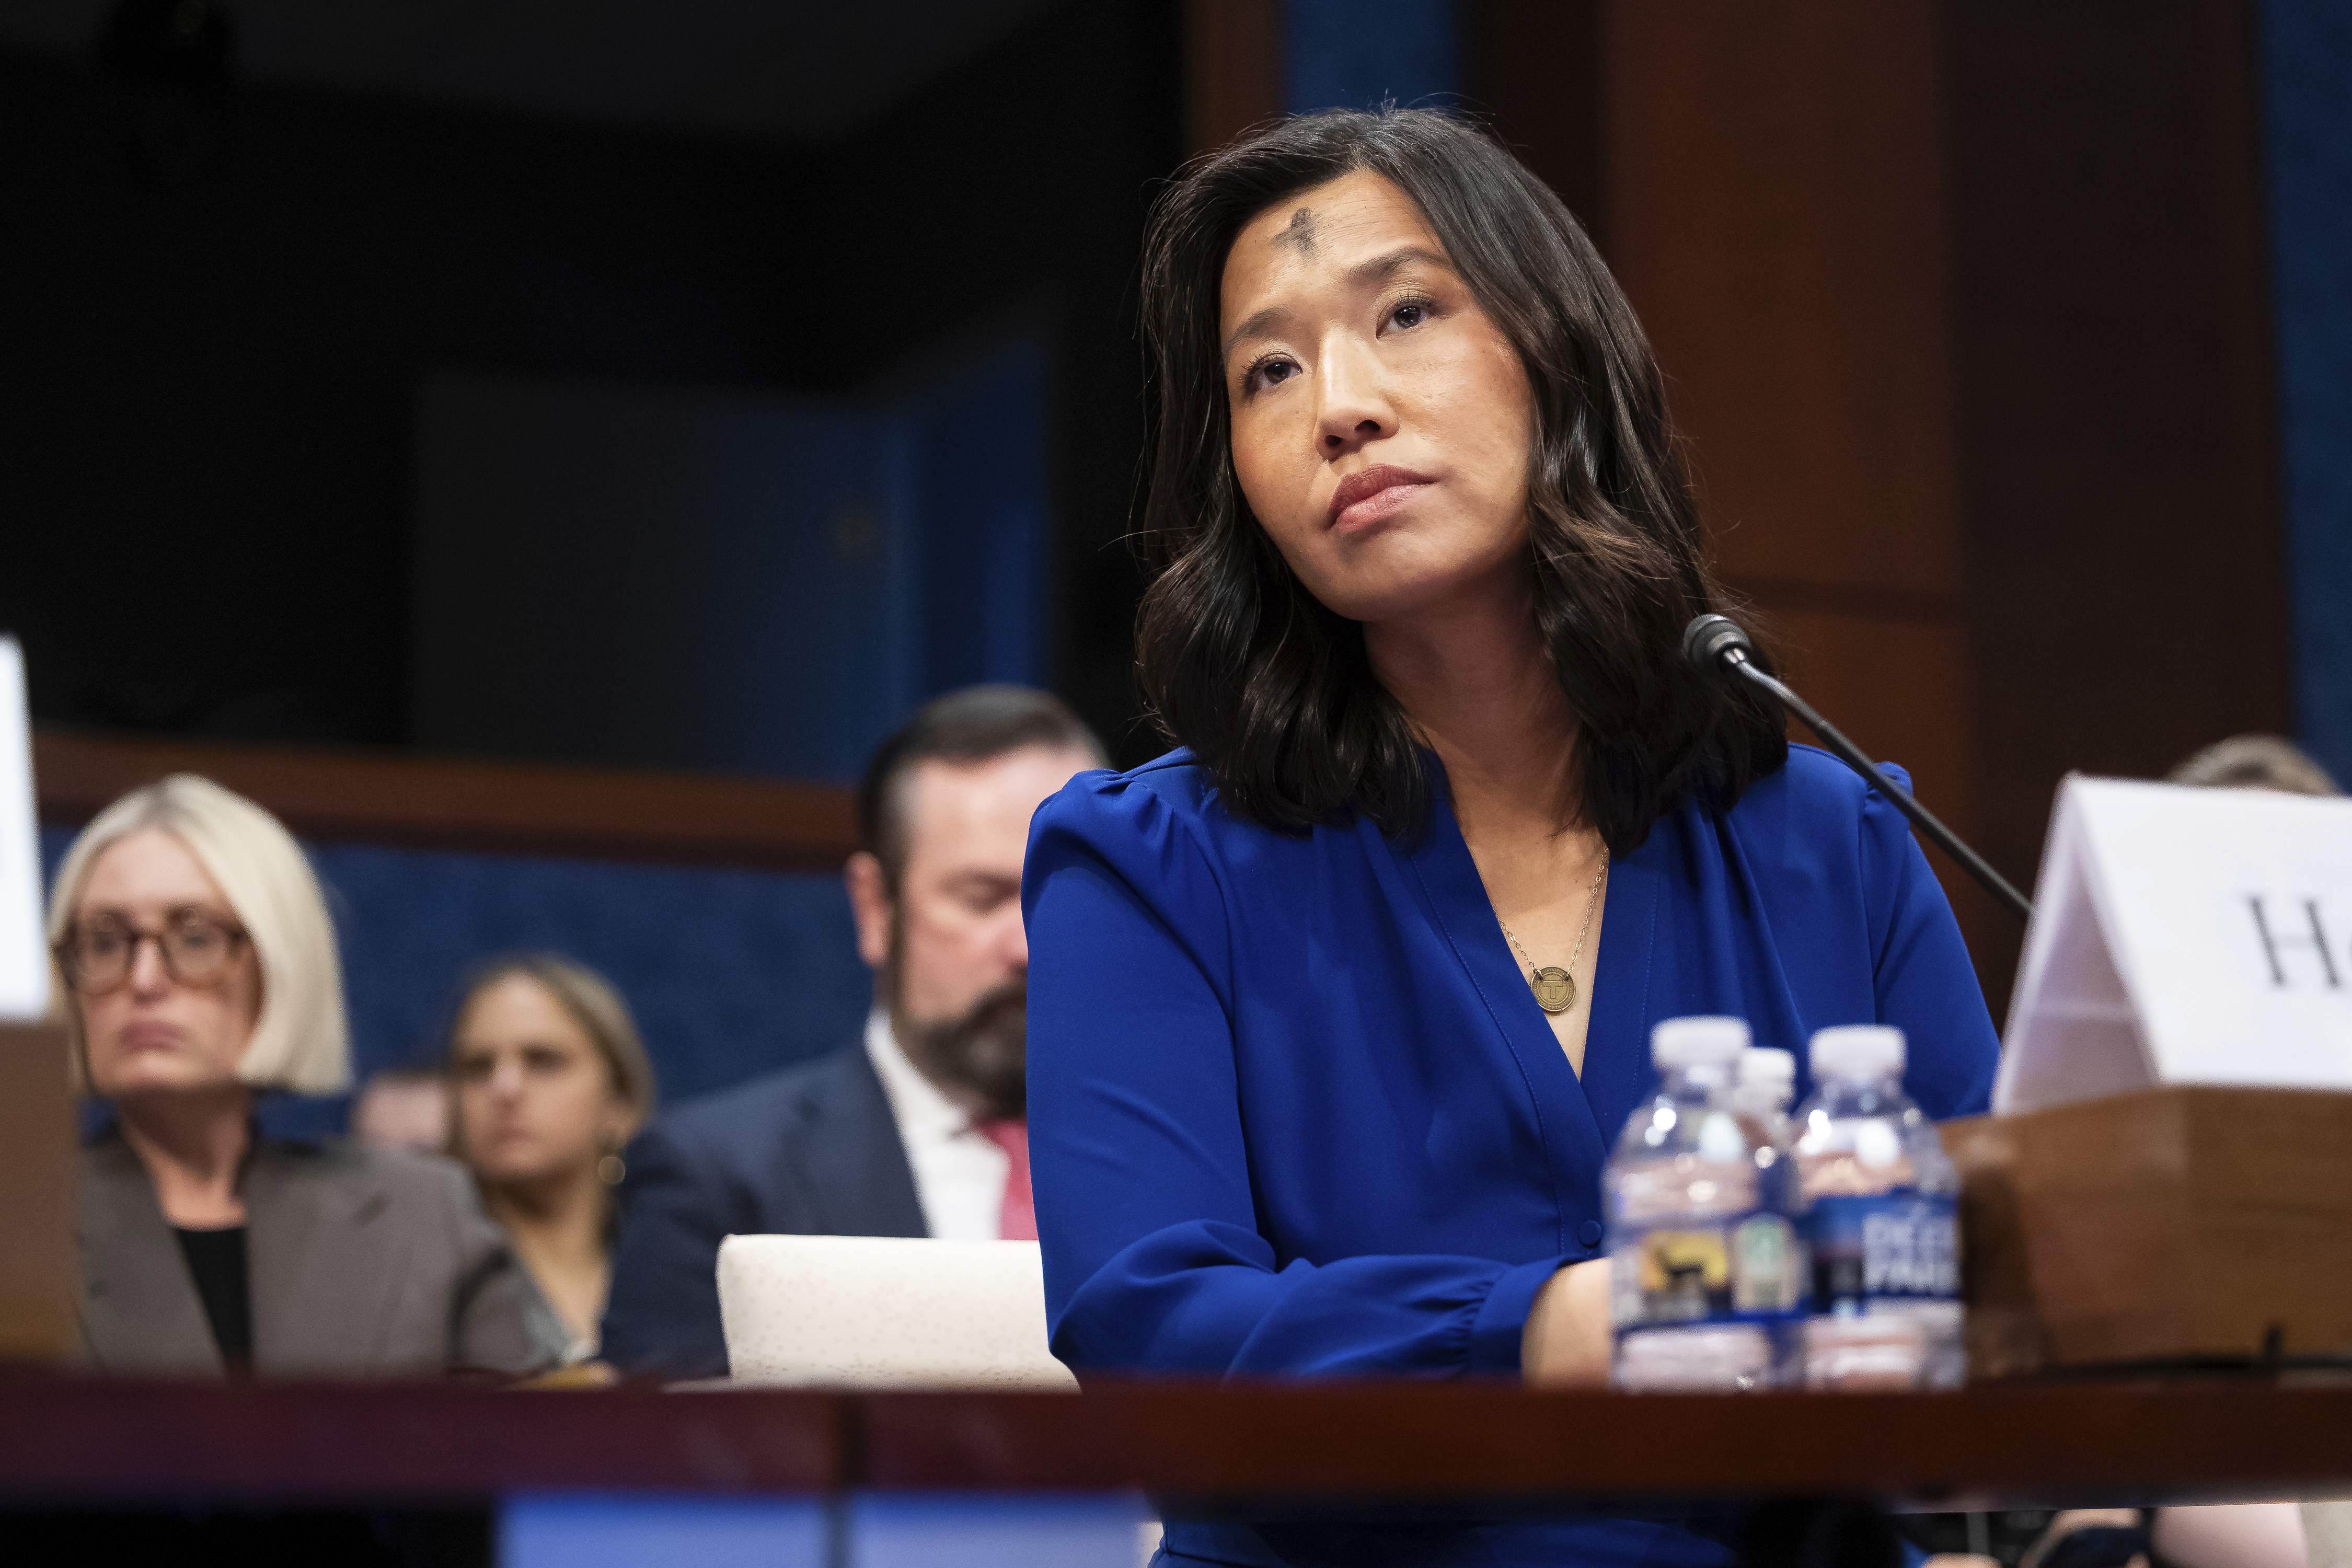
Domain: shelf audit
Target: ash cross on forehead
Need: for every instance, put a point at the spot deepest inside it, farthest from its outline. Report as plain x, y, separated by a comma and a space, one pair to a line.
1301, 232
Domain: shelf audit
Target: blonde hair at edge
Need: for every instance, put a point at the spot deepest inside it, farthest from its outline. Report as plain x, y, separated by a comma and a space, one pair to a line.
300, 1041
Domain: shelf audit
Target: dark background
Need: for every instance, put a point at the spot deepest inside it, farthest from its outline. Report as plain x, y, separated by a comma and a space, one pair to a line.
208, 372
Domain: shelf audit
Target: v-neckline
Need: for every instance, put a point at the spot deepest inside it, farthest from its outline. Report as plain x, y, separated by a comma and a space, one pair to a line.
1569, 1108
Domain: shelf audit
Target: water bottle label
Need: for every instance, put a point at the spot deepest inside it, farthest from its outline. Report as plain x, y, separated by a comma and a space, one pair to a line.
1736, 1268
1901, 1245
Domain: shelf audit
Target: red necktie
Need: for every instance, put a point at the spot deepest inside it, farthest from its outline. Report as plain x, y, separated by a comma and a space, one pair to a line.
1017, 1220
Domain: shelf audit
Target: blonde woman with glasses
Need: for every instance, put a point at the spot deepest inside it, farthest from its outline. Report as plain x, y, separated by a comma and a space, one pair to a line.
196, 972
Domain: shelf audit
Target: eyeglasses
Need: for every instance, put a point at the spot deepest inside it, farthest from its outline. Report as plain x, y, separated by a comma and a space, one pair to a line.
196, 949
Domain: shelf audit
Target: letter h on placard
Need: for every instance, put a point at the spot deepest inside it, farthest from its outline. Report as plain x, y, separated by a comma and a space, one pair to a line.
2316, 942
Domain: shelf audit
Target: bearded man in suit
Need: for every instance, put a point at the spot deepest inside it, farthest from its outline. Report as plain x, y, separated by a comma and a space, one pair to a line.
915, 1128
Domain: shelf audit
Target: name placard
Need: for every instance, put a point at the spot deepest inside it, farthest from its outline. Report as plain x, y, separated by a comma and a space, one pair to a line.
24, 950
2184, 936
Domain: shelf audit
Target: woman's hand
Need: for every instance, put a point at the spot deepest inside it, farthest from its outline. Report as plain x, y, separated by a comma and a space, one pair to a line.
1566, 1342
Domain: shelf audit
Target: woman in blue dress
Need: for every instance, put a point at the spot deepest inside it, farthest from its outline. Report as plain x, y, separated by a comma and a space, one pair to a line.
1336, 1011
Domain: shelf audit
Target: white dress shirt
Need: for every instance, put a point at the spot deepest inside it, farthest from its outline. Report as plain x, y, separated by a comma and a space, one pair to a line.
960, 1172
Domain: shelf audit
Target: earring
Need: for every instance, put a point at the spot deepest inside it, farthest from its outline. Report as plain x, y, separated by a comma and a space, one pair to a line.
612, 1170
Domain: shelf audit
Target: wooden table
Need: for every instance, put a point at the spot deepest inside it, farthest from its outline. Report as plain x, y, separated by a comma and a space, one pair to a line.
1206, 1447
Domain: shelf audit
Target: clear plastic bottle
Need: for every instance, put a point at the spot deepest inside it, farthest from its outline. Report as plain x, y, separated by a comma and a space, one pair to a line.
1763, 1088
1764, 1082
1880, 1204
1699, 1253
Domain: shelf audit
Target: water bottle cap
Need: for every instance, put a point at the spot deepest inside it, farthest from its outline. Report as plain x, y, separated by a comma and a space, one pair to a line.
1767, 1064
1858, 1050
1695, 1042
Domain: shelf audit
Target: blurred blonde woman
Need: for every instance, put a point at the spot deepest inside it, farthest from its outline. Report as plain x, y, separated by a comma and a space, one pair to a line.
197, 971
552, 1082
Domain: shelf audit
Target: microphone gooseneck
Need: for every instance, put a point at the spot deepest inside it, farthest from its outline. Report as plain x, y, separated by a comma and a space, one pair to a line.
1717, 646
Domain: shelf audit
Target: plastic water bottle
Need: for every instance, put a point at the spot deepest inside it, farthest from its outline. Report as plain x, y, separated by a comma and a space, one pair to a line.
1703, 1264
1880, 1204
1764, 1081
1763, 1084
1762, 1089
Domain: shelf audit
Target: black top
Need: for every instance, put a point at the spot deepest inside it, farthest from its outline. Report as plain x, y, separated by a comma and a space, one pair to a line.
217, 1259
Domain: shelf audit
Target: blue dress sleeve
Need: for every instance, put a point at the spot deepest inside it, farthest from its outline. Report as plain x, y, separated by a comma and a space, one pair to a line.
1140, 1157
1926, 982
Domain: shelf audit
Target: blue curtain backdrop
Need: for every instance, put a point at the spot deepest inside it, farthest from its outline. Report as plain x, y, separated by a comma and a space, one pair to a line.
2306, 53
1356, 53
721, 578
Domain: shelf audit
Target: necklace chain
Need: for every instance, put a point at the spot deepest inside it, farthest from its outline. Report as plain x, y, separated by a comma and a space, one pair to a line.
1555, 989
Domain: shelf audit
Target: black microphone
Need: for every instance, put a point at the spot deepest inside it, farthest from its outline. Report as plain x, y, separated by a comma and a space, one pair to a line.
1717, 646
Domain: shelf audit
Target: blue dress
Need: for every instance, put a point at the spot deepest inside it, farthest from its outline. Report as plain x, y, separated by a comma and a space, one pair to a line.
1293, 1109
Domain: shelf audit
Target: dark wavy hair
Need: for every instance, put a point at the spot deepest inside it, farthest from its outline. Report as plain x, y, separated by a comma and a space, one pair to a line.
1271, 689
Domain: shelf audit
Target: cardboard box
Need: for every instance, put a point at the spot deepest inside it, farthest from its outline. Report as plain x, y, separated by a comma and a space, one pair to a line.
2177, 1224
39, 1192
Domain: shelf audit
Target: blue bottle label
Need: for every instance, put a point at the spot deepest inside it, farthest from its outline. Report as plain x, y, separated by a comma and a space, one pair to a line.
1891, 1246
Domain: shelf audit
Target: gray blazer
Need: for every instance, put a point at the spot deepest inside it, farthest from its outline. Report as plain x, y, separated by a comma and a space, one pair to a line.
361, 1264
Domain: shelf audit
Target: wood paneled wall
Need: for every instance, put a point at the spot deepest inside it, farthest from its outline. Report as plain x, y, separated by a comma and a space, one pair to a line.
2128, 601
1233, 69
1778, 214
1961, 307
383, 796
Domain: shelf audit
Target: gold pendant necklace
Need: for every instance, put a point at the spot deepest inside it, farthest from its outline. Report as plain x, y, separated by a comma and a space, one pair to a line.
1555, 987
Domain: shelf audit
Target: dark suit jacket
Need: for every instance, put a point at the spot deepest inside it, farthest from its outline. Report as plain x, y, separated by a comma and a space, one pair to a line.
360, 1263
810, 1151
